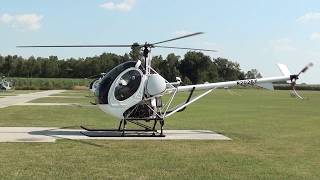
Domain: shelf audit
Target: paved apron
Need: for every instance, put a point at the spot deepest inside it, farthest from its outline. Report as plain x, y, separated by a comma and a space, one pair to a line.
50, 134
23, 98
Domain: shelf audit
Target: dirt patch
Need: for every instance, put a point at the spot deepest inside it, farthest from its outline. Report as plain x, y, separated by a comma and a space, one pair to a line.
80, 88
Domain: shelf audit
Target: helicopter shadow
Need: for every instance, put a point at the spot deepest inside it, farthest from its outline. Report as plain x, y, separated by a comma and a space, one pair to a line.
65, 133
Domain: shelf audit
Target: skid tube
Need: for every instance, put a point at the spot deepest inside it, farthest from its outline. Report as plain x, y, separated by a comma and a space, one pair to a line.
121, 131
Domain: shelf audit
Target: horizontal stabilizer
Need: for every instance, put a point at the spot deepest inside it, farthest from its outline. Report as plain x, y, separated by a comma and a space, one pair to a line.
284, 69
267, 85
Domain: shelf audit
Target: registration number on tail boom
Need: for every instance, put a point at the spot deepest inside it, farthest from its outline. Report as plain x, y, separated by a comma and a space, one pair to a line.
247, 82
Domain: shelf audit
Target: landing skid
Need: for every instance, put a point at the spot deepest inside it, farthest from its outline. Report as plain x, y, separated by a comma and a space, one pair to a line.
116, 133
147, 131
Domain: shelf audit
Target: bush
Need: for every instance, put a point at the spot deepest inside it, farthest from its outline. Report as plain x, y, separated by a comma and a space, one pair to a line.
298, 87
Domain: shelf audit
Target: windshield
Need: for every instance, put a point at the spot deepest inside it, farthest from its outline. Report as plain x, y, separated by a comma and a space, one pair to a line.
128, 85
108, 79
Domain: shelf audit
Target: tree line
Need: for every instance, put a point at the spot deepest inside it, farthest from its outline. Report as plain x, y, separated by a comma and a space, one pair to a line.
193, 67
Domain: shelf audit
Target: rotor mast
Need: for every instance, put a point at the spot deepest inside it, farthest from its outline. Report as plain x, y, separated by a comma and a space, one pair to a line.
147, 57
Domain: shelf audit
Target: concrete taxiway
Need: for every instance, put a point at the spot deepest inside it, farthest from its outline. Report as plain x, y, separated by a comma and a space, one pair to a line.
51, 134
23, 98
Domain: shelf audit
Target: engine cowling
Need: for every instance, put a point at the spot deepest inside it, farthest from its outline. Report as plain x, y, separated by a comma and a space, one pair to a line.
156, 85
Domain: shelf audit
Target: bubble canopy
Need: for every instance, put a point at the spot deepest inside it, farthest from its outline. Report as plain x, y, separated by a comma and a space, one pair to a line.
129, 83
126, 87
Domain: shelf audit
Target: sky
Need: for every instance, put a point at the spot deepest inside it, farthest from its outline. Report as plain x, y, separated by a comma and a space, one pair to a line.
257, 34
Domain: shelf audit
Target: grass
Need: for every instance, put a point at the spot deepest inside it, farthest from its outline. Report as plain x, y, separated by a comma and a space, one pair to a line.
84, 100
83, 93
14, 92
48, 83
274, 137
53, 116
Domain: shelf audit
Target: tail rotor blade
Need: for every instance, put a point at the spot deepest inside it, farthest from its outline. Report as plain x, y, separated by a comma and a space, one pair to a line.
305, 68
295, 93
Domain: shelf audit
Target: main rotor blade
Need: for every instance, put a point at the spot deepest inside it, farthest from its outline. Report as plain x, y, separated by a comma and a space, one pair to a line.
93, 77
195, 49
77, 46
173, 39
96, 76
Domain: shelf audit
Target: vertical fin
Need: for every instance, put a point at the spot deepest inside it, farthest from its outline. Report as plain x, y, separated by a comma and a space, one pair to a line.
284, 69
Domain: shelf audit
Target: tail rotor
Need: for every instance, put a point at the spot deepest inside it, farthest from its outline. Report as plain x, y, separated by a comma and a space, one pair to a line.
295, 77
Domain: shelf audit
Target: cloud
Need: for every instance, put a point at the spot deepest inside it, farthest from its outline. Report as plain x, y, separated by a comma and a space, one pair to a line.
282, 45
6, 18
22, 22
309, 17
124, 6
315, 36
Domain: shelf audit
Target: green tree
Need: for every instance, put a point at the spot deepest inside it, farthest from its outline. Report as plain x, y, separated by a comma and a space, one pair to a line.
253, 74
195, 67
135, 52
228, 70
198, 67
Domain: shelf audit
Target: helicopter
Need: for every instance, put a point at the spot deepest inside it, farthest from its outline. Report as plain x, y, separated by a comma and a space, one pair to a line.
5, 85
133, 91
95, 83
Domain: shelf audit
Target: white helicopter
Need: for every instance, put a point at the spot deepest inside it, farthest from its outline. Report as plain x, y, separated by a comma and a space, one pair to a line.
5, 85
132, 91
95, 83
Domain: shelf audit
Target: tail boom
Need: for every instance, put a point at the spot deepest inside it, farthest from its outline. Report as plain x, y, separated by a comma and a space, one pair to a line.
245, 82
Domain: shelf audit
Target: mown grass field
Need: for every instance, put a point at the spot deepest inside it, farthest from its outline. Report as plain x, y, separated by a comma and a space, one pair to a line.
274, 136
14, 93
48, 83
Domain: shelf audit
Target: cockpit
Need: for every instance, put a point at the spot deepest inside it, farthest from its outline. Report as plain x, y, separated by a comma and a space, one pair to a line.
123, 87
128, 85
